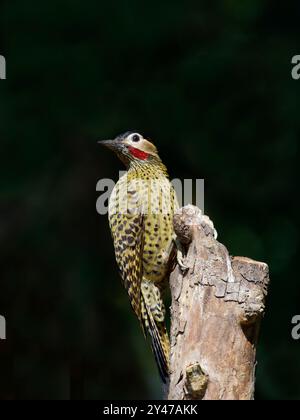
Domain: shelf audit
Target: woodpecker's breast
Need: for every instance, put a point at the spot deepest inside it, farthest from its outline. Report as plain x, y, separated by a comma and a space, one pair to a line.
143, 209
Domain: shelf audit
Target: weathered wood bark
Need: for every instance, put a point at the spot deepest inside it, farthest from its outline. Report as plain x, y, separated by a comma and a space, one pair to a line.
216, 309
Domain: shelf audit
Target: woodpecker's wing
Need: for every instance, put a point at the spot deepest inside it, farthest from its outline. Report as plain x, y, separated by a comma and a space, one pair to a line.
128, 236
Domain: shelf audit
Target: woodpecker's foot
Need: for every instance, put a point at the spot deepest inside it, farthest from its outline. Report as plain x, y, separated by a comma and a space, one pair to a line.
206, 220
180, 256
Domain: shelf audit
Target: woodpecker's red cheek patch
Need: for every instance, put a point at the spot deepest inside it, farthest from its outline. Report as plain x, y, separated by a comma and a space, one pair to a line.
138, 153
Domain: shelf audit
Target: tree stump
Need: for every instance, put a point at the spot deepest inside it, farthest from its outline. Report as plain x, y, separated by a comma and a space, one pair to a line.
217, 305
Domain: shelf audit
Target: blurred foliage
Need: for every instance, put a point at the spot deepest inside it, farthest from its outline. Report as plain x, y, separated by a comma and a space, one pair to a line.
210, 83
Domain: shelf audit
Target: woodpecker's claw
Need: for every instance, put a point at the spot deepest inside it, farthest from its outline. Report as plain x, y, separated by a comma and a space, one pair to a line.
206, 220
180, 256
180, 262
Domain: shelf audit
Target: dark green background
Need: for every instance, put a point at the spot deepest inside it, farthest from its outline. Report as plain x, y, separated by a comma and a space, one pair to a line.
211, 83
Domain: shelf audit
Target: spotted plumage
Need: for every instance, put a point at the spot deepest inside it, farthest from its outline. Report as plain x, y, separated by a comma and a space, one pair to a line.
141, 209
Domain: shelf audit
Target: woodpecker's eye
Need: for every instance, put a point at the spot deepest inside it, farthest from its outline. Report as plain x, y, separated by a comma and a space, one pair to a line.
135, 137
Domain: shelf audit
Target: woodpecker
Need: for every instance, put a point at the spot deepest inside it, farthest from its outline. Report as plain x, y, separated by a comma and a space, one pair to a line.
141, 209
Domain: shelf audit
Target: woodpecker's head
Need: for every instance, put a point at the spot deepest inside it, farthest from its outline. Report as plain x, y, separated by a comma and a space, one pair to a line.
132, 147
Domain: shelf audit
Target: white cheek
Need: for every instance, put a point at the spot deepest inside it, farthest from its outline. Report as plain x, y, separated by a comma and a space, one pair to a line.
134, 143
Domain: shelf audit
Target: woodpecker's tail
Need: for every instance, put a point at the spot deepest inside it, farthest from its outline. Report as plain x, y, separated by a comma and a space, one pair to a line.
160, 346
153, 314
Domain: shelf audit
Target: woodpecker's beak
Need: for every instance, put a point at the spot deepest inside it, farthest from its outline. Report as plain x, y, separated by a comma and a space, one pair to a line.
114, 145
108, 143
